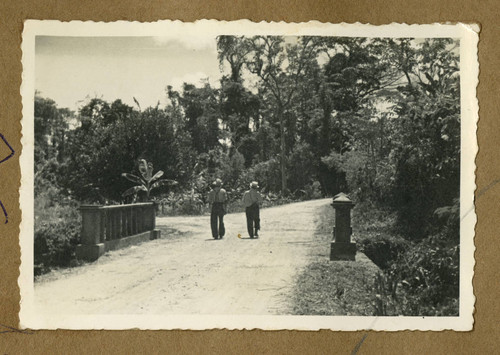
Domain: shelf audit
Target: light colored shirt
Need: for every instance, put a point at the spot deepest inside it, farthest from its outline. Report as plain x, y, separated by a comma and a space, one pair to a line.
217, 195
250, 197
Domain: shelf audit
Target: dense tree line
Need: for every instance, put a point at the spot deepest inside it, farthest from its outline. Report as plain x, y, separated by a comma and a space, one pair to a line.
377, 118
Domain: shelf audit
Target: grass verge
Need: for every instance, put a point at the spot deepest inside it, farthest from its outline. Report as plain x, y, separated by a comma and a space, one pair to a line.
327, 287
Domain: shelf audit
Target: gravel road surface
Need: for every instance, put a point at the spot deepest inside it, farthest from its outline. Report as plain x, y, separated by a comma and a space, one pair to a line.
188, 272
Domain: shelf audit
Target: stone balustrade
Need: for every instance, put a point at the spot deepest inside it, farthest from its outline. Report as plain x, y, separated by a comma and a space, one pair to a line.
112, 227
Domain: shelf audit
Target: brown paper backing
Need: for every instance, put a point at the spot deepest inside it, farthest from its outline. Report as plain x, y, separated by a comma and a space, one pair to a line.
485, 336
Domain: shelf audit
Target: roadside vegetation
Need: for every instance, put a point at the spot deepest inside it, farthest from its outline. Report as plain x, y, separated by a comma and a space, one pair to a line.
409, 278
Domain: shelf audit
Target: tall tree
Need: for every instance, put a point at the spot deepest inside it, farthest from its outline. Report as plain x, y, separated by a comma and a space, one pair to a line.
200, 108
239, 106
427, 141
51, 125
281, 67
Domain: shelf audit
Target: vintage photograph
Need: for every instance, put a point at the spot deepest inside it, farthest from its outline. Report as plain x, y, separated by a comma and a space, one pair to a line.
241, 175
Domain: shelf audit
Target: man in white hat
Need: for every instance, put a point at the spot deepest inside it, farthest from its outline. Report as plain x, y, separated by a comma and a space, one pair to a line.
251, 200
217, 198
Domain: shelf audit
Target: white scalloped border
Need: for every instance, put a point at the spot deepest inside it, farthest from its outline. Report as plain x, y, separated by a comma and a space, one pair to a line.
469, 74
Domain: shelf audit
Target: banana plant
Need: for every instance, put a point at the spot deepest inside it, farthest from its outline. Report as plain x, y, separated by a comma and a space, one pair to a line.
147, 181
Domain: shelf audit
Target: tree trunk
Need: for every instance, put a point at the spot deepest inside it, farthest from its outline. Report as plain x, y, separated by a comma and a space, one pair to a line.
282, 151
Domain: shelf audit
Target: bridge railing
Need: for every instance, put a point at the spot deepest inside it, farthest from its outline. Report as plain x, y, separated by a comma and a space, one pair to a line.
104, 226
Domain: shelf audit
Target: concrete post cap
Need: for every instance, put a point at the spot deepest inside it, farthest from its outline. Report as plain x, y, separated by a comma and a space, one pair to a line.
342, 198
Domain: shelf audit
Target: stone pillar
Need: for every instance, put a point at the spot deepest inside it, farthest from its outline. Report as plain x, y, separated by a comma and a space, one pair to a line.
341, 247
153, 215
155, 233
91, 247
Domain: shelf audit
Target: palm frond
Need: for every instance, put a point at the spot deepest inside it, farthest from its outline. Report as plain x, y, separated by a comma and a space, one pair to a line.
143, 167
133, 178
163, 182
134, 190
156, 176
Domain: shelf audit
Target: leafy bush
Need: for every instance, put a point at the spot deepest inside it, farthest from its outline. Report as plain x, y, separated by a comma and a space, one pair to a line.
447, 220
57, 232
417, 278
358, 170
374, 233
313, 191
235, 167
55, 243
423, 281
57, 225
383, 249
428, 273
424, 278
267, 173
302, 167
184, 203
309, 192
190, 203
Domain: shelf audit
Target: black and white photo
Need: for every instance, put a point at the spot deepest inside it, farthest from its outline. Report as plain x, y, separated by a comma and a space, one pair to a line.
241, 175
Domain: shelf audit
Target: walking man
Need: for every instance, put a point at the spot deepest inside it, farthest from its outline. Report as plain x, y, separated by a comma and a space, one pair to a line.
251, 201
217, 198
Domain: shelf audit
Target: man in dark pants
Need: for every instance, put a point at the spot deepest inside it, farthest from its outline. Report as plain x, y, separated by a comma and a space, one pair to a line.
251, 201
217, 199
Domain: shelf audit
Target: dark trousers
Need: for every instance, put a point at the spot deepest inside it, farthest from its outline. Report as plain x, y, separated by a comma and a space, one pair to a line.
253, 219
217, 220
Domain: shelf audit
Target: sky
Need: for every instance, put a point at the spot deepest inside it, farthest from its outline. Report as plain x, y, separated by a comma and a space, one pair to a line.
72, 70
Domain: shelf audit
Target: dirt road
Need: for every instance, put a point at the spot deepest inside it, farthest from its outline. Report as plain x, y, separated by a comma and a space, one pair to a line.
188, 272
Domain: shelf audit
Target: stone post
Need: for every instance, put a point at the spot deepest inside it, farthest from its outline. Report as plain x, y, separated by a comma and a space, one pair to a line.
155, 233
341, 247
92, 246
153, 215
